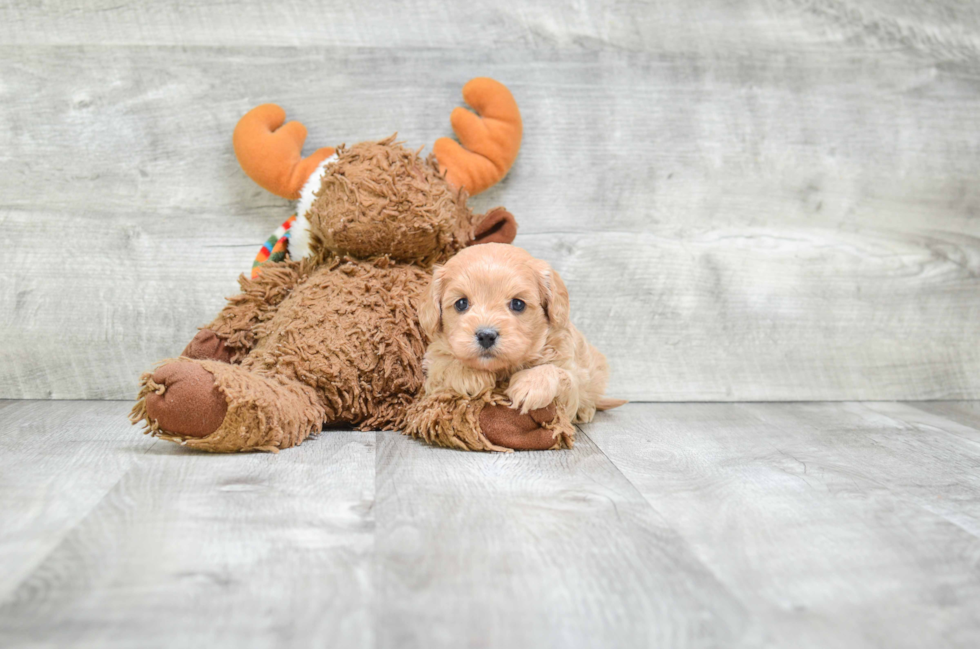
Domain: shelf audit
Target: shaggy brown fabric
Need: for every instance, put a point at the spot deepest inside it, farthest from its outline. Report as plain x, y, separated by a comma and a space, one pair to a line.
345, 346
382, 199
257, 302
263, 413
335, 338
351, 333
487, 423
206, 345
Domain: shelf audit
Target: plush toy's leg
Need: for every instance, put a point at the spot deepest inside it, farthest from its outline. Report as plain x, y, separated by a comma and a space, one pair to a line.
207, 346
507, 427
215, 406
238, 325
487, 424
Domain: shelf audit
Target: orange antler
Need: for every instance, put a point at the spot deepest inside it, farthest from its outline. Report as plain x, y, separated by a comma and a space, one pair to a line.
273, 156
490, 141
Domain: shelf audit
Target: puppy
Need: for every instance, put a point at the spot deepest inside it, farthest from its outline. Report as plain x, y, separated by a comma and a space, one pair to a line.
494, 312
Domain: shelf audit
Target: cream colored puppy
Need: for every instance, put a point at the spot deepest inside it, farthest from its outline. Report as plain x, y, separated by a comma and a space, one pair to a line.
495, 312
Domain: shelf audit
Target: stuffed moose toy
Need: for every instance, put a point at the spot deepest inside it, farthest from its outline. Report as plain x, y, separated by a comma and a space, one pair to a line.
330, 334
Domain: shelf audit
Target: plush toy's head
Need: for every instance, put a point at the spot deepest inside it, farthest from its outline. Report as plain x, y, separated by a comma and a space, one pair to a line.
379, 198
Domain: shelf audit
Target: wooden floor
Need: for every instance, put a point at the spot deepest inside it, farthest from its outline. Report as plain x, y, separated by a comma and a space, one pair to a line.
671, 525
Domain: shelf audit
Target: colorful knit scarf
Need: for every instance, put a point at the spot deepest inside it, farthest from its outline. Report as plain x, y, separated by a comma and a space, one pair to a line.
275, 247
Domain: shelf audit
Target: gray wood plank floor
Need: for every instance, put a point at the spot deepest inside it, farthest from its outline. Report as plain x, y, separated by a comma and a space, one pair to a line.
684, 525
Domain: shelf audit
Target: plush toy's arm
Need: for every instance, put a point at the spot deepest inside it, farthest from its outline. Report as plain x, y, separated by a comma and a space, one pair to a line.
232, 334
488, 423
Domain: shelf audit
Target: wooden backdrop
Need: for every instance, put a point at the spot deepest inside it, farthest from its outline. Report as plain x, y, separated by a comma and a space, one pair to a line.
751, 200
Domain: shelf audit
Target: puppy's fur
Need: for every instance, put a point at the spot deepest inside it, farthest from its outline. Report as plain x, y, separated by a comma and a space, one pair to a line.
541, 353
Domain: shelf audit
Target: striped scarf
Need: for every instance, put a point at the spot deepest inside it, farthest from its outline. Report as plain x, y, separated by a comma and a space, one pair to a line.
275, 247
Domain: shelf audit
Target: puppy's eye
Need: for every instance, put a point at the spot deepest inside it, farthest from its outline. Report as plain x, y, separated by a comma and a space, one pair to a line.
461, 305
517, 305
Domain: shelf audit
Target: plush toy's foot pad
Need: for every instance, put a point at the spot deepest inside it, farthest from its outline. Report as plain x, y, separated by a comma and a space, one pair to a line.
507, 427
189, 405
207, 346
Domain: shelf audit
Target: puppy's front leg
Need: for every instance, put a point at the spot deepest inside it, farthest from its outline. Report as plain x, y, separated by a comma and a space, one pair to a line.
537, 387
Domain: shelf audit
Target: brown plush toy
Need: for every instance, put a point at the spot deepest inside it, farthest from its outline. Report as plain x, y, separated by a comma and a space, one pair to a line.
331, 335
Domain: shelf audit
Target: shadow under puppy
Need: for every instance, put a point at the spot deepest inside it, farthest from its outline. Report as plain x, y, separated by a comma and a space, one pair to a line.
498, 318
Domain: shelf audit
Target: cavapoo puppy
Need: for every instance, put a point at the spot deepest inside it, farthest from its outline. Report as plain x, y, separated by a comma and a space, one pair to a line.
494, 313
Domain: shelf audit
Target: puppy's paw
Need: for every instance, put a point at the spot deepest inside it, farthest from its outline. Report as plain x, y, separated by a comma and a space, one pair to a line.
534, 388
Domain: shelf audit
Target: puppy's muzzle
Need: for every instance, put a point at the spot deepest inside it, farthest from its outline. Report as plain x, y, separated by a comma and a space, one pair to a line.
487, 337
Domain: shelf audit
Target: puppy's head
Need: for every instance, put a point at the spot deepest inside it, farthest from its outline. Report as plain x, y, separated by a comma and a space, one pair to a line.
495, 306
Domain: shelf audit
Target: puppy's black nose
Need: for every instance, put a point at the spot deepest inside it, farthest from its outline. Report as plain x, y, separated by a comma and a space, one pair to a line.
486, 337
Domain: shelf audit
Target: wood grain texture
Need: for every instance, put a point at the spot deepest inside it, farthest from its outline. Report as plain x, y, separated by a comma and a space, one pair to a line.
966, 413
748, 201
57, 461
183, 548
943, 28
685, 525
835, 524
531, 550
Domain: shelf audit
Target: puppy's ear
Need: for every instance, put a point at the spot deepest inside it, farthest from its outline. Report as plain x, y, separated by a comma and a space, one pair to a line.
430, 306
497, 226
554, 295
